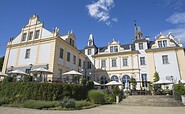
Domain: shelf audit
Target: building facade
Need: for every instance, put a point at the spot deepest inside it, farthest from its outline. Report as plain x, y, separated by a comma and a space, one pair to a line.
140, 60
37, 47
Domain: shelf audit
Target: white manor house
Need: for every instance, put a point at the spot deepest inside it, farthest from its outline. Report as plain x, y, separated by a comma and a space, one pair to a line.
37, 47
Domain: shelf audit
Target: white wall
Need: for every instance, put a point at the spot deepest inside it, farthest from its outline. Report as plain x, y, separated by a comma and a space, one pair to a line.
44, 53
12, 57
33, 53
170, 69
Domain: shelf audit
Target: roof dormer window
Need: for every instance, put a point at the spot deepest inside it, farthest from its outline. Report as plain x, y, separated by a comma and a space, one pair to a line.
113, 49
162, 43
90, 43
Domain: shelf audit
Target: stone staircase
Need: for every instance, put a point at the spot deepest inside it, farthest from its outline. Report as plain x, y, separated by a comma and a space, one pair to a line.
156, 100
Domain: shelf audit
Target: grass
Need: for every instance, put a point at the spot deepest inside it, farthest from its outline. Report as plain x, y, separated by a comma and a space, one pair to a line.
40, 104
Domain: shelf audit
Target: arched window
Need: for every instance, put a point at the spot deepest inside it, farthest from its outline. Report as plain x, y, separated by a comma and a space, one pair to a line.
114, 78
103, 80
125, 81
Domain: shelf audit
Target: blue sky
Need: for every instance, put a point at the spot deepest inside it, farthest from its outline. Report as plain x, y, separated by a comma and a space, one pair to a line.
105, 19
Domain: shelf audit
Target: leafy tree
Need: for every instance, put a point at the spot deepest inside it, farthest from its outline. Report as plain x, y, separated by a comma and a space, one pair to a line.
156, 77
133, 83
116, 91
1, 62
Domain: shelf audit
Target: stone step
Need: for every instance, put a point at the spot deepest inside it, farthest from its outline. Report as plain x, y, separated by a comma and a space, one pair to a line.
162, 101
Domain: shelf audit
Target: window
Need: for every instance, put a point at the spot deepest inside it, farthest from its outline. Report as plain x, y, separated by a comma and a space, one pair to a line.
37, 34
79, 63
27, 55
88, 65
24, 37
125, 62
164, 43
90, 43
160, 44
59, 78
165, 59
68, 56
89, 51
103, 63
142, 60
71, 42
61, 53
113, 49
30, 36
140, 46
114, 78
74, 59
144, 80
83, 64
114, 63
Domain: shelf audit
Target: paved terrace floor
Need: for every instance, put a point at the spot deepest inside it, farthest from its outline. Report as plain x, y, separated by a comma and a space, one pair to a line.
105, 109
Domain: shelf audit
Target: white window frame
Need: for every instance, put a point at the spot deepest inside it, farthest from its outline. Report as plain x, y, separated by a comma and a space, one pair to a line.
114, 62
27, 54
165, 59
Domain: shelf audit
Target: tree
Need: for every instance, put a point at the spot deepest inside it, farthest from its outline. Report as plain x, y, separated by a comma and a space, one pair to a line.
1, 63
156, 77
133, 83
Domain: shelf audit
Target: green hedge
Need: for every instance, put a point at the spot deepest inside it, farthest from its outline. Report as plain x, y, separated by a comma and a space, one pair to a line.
96, 96
42, 91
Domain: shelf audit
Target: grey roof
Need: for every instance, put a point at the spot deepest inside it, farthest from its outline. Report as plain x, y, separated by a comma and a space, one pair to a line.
93, 46
140, 40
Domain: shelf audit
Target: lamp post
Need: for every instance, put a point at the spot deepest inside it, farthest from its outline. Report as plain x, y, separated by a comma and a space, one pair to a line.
30, 65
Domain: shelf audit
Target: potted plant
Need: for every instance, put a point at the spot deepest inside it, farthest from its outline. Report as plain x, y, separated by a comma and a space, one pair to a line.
180, 89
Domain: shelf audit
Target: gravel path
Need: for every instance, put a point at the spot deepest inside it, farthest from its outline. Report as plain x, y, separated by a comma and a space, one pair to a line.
106, 109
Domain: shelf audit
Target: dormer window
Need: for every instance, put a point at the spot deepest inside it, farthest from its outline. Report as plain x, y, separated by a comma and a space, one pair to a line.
37, 34
113, 49
24, 36
71, 42
140, 46
89, 51
162, 43
90, 43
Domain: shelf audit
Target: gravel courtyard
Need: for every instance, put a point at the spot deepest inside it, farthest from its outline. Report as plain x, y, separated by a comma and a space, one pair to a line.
106, 109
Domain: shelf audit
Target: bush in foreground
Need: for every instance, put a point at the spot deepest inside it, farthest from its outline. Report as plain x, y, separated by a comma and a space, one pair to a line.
81, 104
67, 103
40, 104
96, 96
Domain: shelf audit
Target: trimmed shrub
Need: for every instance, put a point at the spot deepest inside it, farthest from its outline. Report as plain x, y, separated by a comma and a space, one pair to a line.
27, 78
8, 79
67, 103
40, 104
96, 96
179, 89
5, 101
109, 99
42, 91
116, 91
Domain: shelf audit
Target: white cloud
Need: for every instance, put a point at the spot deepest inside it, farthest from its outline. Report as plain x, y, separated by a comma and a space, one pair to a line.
177, 18
178, 32
115, 19
100, 10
